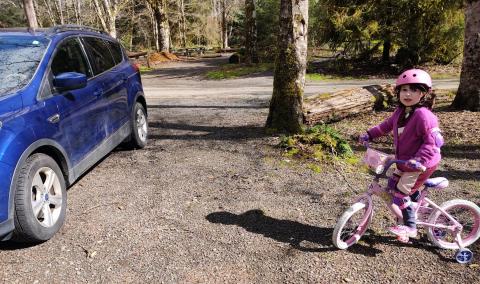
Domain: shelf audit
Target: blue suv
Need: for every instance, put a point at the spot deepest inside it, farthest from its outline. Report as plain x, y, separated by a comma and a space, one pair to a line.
68, 96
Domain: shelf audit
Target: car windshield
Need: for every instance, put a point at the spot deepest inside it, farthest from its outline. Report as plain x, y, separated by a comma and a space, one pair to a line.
19, 59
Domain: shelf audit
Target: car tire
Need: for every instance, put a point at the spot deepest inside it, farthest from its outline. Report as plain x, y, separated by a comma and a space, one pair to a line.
40, 199
139, 123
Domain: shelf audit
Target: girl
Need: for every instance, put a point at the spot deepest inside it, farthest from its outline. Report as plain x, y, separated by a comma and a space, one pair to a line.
417, 139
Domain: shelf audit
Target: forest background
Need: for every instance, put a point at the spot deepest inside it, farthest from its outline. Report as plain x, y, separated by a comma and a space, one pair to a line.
404, 32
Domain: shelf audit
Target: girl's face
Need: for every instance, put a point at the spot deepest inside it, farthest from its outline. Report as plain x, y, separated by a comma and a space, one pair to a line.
409, 95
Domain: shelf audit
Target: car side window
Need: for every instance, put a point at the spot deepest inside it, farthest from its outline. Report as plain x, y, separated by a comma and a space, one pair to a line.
99, 55
69, 58
116, 50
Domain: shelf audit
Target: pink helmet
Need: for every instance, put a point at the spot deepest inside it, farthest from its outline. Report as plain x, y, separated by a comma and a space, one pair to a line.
414, 76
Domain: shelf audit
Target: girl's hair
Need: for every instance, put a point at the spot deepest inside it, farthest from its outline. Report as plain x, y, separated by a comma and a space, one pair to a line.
428, 100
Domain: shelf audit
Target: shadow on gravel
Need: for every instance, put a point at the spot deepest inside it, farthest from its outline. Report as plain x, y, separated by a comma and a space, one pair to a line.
286, 231
208, 132
471, 152
212, 107
457, 174
11, 245
422, 244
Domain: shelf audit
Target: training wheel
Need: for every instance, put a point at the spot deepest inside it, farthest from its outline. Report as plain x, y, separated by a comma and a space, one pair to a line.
464, 256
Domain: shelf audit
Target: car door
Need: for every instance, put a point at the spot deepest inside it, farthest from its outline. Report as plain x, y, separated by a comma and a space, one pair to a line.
118, 96
80, 116
107, 69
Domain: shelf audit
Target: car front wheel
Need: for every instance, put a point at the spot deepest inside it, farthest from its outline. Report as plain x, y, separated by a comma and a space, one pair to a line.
40, 199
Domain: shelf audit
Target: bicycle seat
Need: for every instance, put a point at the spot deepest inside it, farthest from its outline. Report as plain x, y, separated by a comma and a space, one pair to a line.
436, 183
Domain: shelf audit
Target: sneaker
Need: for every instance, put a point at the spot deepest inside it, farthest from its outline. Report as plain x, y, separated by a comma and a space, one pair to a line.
403, 232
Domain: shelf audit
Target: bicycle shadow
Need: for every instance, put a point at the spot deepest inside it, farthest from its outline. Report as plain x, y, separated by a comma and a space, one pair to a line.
422, 243
299, 236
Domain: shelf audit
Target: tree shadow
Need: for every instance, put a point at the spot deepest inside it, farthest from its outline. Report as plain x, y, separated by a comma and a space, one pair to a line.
457, 174
209, 132
299, 236
209, 106
471, 152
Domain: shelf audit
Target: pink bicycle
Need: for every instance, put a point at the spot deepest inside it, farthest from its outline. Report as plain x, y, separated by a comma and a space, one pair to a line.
454, 224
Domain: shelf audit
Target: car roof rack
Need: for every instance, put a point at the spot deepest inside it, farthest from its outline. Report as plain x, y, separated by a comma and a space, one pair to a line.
23, 30
64, 28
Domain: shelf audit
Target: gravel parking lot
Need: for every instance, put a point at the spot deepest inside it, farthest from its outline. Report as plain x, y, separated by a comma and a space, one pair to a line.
211, 200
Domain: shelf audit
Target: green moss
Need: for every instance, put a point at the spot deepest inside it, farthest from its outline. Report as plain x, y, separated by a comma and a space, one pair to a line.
318, 143
314, 167
285, 108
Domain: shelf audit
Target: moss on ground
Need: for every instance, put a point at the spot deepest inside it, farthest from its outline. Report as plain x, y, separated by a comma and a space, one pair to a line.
318, 144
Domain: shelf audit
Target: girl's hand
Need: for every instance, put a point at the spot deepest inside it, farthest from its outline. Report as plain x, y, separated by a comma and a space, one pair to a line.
414, 164
363, 139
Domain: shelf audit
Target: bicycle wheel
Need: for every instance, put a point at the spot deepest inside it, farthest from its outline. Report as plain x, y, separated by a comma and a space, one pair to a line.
466, 213
352, 224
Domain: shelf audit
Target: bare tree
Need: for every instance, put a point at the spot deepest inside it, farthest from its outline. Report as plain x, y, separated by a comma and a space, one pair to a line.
468, 95
183, 24
251, 55
107, 12
50, 11
286, 114
30, 14
161, 21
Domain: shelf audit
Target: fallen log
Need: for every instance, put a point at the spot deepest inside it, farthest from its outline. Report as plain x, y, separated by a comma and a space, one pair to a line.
326, 108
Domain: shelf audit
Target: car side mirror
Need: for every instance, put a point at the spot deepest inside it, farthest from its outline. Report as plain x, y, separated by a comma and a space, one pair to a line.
70, 81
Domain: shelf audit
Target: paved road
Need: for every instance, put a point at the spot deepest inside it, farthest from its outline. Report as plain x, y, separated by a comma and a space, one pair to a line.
258, 87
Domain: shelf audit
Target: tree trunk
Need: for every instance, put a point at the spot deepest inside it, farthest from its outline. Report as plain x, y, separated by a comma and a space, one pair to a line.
251, 55
183, 24
50, 12
30, 14
161, 20
107, 13
387, 45
286, 113
224, 25
468, 95
59, 8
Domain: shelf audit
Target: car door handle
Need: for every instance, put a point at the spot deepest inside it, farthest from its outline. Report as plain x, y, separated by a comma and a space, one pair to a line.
54, 118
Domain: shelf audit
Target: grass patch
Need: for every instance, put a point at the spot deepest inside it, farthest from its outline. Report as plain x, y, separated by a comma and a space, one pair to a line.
230, 71
323, 77
317, 144
144, 69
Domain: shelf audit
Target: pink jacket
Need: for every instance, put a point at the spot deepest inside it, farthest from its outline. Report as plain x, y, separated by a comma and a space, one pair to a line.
421, 139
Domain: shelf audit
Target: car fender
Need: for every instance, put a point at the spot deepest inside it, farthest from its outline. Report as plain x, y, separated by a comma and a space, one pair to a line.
32, 148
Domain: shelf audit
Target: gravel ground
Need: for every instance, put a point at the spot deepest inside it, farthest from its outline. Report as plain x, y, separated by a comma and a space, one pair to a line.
212, 200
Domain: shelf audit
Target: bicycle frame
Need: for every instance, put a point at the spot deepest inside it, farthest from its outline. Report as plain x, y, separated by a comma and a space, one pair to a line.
376, 189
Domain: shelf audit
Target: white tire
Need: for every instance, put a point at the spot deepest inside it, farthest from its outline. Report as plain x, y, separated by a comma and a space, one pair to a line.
352, 225
466, 213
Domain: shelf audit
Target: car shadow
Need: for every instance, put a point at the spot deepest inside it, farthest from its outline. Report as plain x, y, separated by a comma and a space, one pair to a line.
299, 236
12, 245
